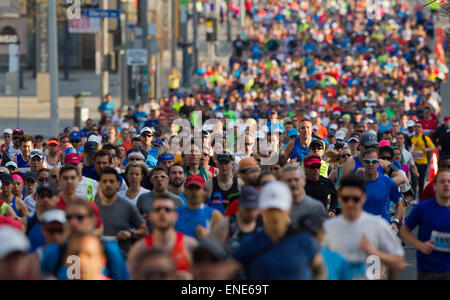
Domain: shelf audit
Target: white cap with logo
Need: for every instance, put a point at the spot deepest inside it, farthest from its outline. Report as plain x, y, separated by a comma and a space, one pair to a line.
277, 195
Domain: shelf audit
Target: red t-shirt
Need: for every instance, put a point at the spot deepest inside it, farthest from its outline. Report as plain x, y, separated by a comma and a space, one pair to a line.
62, 205
429, 124
428, 192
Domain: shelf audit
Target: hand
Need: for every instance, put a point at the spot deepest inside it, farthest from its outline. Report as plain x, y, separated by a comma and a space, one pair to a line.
394, 227
201, 232
427, 247
124, 235
360, 171
366, 246
417, 174
331, 214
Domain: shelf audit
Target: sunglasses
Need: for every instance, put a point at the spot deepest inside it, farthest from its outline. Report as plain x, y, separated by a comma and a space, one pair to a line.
348, 198
248, 144
386, 157
45, 195
55, 231
163, 208
78, 217
368, 161
346, 155
249, 170
314, 167
147, 136
12, 168
42, 179
76, 141
316, 148
162, 177
54, 176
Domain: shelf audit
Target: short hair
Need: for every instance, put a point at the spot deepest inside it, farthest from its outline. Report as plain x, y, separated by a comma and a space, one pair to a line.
42, 170
26, 138
281, 160
83, 203
102, 153
352, 181
164, 197
438, 173
137, 164
371, 150
66, 168
293, 167
303, 121
134, 149
388, 132
108, 147
109, 170
154, 253
175, 165
262, 175
158, 168
442, 158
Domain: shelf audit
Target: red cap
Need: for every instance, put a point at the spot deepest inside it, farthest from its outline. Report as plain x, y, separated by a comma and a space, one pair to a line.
72, 158
312, 161
447, 118
6, 220
195, 179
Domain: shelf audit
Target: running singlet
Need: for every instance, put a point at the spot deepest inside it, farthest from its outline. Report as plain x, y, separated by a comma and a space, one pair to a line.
202, 173
220, 199
13, 205
178, 253
3, 207
299, 151
359, 164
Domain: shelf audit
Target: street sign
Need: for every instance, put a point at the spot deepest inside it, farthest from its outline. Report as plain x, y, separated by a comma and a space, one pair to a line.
103, 13
84, 25
137, 57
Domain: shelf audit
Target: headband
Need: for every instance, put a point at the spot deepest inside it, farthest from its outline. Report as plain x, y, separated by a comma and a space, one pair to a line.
136, 154
165, 157
20, 178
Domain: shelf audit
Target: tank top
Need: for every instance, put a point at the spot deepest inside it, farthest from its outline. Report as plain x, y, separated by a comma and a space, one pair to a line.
3, 207
14, 207
220, 199
178, 253
299, 151
50, 166
359, 164
202, 173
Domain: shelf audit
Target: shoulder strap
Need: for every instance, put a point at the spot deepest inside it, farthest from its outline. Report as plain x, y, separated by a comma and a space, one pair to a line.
425, 140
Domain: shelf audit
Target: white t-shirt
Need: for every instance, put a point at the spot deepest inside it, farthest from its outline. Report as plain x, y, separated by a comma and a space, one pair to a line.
345, 237
58, 164
407, 156
123, 194
82, 188
31, 204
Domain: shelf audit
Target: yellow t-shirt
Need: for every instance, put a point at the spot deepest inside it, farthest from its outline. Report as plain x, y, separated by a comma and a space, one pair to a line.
174, 81
419, 155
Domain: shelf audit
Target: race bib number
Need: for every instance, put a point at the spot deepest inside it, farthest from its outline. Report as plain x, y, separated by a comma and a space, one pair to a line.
417, 154
441, 241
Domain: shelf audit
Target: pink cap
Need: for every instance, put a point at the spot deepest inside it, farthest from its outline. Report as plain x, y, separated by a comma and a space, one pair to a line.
72, 158
384, 143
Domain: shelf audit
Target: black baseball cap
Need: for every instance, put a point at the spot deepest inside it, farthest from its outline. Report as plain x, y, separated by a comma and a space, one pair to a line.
31, 175
6, 177
249, 197
209, 247
48, 186
90, 147
225, 156
312, 222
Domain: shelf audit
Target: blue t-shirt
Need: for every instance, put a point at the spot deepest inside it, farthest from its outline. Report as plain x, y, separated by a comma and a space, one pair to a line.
151, 159
430, 216
35, 235
139, 116
337, 267
116, 265
90, 172
289, 260
183, 197
188, 219
383, 128
21, 163
380, 193
107, 107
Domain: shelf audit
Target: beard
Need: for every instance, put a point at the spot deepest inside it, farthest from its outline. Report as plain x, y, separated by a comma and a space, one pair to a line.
176, 183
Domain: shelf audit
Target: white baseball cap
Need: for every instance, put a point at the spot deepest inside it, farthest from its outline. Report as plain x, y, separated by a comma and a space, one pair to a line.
277, 195
147, 129
313, 114
340, 135
95, 138
13, 240
334, 126
8, 131
54, 215
410, 123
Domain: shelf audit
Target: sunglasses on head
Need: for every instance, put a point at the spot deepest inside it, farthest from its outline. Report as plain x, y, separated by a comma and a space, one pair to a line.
348, 198
373, 162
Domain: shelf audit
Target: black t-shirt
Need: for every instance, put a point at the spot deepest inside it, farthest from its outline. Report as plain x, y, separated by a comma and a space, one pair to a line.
320, 190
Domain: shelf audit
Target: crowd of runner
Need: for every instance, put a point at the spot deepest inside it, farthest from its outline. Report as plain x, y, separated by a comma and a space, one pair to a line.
298, 160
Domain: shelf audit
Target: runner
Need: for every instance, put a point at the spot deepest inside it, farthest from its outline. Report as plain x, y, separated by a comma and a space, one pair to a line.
433, 218
134, 174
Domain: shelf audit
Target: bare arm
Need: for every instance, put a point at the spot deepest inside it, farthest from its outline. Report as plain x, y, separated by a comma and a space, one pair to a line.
407, 235
220, 230
348, 167
318, 269
141, 231
288, 149
215, 217
209, 189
